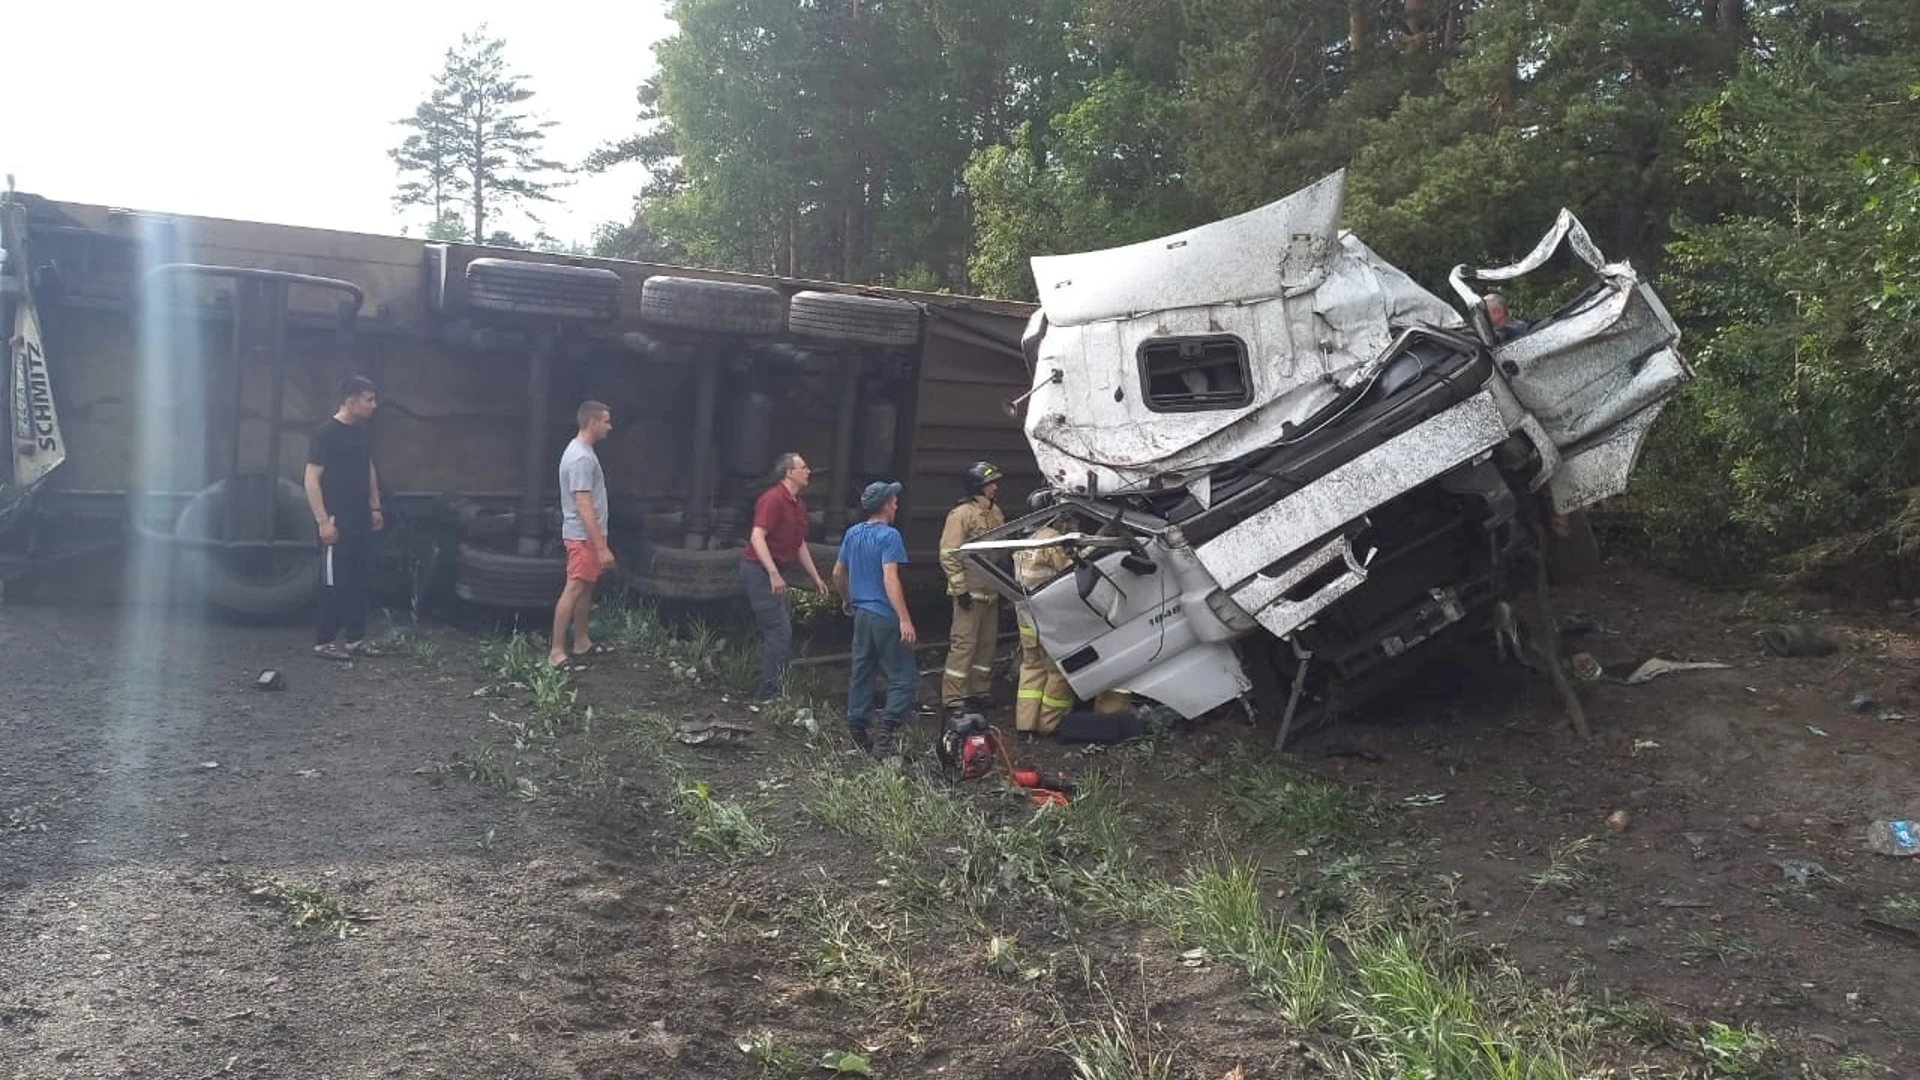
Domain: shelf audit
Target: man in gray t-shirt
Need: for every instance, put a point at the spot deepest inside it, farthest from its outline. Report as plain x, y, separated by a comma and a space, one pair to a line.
583, 518
580, 471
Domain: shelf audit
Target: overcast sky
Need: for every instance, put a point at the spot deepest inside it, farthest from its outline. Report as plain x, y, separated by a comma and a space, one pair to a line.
284, 112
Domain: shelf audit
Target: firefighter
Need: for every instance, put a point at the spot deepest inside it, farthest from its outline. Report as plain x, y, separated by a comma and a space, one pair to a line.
1044, 695
969, 670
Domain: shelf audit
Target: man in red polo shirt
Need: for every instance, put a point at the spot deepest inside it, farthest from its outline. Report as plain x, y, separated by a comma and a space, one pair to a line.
778, 540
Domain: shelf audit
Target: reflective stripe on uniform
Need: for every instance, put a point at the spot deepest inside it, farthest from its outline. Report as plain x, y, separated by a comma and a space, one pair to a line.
1033, 695
950, 673
1051, 702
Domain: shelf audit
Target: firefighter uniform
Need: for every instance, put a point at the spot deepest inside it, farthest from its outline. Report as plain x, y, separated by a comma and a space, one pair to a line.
969, 668
1044, 695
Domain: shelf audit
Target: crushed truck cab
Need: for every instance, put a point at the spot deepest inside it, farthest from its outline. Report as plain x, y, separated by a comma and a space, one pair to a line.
1289, 464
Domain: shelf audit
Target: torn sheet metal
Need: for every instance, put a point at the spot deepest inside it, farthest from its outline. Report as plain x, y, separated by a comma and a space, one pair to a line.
1345, 493
1252, 256
1566, 230
1313, 309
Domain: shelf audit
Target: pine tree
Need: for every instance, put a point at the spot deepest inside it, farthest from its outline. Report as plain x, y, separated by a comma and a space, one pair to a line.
472, 143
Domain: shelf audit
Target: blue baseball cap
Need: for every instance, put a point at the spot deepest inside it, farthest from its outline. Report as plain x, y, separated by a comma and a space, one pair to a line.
877, 493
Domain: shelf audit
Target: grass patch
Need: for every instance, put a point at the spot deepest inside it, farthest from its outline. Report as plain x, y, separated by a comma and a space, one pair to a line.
1699, 948
311, 910
1409, 1012
1111, 1050
862, 957
1566, 868
771, 1058
520, 661
1282, 801
1901, 905
1734, 1052
481, 764
724, 828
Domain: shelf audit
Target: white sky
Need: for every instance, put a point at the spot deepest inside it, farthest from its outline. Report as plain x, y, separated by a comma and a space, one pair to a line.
284, 112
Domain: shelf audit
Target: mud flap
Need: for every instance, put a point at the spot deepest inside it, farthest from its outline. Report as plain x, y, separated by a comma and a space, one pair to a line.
36, 446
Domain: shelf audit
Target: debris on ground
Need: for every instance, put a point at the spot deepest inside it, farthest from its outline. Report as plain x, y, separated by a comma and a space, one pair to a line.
1801, 872
1795, 639
1861, 701
1576, 625
1894, 838
1618, 821
1657, 667
713, 732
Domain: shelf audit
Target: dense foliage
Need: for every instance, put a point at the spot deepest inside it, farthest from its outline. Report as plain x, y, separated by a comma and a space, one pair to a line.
1759, 160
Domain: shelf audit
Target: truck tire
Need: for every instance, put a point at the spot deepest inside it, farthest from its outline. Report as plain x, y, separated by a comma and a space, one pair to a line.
474, 521
866, 320
498, 579
236, 591
722, 306
678, 574
548, 290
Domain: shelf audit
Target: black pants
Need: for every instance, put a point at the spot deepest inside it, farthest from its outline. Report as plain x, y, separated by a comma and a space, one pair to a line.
346, 574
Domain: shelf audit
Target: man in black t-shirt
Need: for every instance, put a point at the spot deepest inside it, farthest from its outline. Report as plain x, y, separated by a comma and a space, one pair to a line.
343, 491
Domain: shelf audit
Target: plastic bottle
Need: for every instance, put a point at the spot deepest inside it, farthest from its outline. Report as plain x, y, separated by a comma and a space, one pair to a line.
1894, 837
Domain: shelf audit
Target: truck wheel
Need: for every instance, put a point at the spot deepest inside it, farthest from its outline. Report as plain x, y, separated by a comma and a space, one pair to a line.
280, 588
678, 574
550, 290
473, 521
497, 579
724, 306
867, 320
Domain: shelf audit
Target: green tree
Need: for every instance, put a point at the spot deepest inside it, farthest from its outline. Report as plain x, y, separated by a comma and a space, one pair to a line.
829, 138
1800, 292
428, 160
473, 143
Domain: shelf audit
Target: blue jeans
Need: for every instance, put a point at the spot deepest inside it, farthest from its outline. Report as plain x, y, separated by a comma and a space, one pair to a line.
878, 650
775, 618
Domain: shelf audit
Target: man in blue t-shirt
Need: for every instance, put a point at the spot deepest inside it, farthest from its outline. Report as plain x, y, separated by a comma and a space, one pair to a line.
867, 576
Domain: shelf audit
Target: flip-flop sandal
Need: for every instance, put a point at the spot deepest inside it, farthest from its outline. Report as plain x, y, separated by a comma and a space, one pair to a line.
571, 667
596, 649
331, 652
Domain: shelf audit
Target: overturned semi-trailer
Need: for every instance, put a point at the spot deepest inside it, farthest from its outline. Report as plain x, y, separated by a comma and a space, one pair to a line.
164, 372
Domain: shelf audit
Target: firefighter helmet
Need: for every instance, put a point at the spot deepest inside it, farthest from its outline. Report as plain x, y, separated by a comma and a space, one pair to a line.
980, 474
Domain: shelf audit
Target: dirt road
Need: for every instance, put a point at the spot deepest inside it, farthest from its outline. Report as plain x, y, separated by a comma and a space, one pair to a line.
159, 814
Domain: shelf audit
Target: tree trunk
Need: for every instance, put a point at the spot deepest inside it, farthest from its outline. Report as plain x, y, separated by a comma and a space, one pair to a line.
1356, 32
479, 185
1450, 28
1730, 20
1419, 17
793, 240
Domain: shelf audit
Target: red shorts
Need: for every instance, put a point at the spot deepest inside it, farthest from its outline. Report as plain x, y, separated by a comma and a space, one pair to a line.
583, 563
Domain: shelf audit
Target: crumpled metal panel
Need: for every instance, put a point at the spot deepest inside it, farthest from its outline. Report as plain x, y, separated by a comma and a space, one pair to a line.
1345, 493
1580, 374
1266, 596
1601, 470
1152, 634
1092, 429
1252, 256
